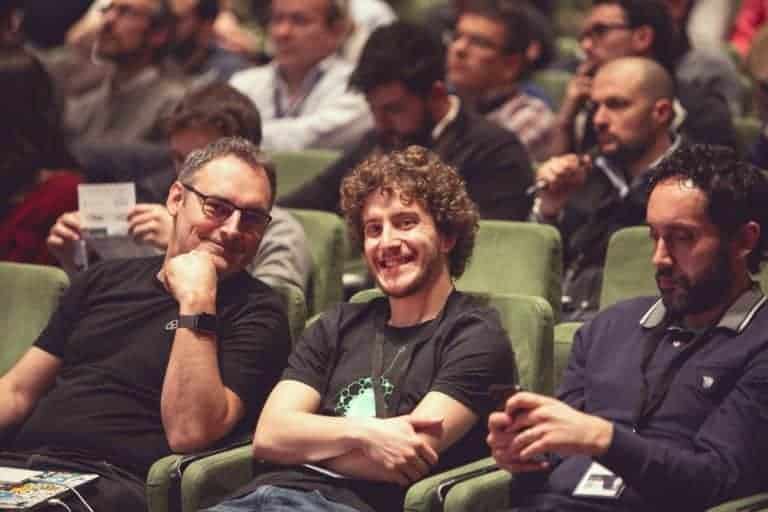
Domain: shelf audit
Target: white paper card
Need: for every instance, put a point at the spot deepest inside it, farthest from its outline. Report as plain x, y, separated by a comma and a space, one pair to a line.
599, 482
104, 208
15, 476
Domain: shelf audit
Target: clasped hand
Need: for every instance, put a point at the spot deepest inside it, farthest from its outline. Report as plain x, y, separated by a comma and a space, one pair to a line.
532, 425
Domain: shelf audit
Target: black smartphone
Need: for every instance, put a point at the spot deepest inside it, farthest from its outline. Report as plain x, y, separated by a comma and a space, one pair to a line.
500, 393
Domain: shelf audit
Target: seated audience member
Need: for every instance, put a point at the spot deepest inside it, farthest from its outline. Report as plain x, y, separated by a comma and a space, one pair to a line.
195, 344
364, 16
202, 117
640, 28
663, 400
589, 198
193, 50
35, 188
757, 66
133, 36
749, 20
709, 22
384, 393
486, 61
710, 67
410, 105
302, 94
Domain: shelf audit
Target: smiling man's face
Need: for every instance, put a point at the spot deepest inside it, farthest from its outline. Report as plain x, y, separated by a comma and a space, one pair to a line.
233, 245
405, 252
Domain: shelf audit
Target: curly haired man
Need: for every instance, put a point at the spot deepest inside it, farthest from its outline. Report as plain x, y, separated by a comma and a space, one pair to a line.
380, 394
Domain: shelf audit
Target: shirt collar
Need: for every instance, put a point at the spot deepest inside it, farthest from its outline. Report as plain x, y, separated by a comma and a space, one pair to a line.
448, 118
141, 79
735, 319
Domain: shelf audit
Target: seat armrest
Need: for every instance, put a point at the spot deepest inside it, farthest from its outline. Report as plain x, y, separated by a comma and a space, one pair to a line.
485, 493
754, 503
427, 494
159, 483
208, 480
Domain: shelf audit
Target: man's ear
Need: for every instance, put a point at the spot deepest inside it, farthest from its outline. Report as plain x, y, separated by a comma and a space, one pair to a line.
642, 39
663, 111
436, 98
747, 239
514, 63
447, 243
175, 198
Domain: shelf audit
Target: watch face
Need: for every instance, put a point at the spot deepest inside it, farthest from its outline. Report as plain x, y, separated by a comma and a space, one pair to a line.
206, 322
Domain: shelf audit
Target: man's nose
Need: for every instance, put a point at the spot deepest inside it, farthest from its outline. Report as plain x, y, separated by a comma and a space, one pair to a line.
661, 255
231, 226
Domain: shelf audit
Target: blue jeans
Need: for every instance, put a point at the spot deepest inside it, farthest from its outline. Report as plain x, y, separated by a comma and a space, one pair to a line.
269, 498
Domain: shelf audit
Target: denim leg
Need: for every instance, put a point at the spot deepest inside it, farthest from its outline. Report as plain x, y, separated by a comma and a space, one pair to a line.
269, 498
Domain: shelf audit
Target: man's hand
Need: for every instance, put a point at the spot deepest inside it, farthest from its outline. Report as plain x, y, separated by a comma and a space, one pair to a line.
62, 236
563, 175
395, 444
533, 425
191, 279
151, 223
578, 91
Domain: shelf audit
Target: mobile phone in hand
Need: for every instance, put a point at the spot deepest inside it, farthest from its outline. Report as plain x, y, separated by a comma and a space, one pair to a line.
500, 393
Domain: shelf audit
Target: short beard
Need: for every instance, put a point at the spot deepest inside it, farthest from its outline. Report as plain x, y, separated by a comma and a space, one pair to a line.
627, 154
703, 295
422, 137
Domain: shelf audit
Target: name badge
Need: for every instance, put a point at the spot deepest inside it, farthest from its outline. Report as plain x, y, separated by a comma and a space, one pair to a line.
599, 482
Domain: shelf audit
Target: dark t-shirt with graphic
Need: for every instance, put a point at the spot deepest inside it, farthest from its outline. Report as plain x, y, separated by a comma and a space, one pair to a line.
460, 354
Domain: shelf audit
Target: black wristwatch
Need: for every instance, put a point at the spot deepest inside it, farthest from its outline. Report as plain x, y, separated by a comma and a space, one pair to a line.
204, 322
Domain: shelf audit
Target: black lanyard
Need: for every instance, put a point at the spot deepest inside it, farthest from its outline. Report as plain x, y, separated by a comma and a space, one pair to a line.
397, 377
649, 404
294, 108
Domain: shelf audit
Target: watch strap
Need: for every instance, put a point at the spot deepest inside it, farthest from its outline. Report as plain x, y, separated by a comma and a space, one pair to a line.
204, 322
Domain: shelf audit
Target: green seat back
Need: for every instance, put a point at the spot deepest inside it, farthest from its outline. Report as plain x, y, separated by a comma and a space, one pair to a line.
628, 271
528, 321
515, 257
295, 307
554, 82
294, 168
327, 243
30, 295
563, 340
747, 131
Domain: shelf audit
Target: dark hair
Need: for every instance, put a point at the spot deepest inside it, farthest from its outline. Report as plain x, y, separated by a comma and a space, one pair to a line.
207, 9
653, 13
220, 106
736, 191
163, 16
416, 174
511, 15
400, 52
31, 137
337, 10
234, 146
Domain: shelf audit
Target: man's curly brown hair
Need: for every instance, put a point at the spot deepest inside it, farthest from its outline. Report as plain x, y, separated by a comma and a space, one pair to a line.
416, 174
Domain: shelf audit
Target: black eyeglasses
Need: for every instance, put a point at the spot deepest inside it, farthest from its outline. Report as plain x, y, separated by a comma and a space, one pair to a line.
219, 210
473, 40
598, 30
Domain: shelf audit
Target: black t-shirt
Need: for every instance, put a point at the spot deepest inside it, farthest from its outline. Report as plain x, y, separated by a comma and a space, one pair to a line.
460, 353
112, 333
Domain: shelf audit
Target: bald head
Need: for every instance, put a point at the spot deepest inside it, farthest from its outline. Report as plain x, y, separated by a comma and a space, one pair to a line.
643, 76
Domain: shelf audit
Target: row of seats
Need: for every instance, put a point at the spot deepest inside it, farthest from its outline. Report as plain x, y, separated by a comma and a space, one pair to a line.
515, 269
